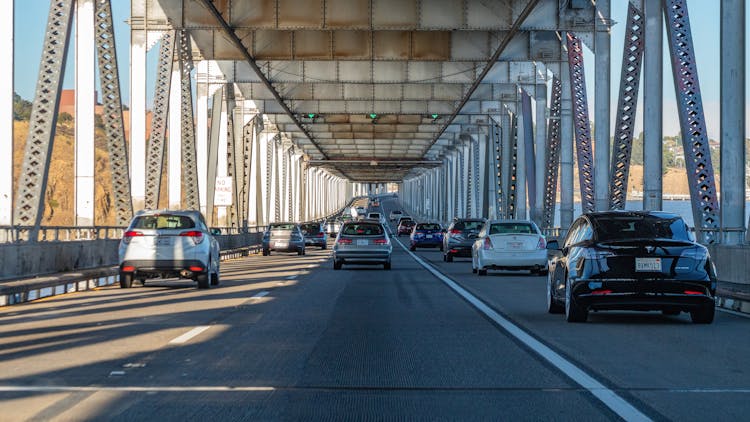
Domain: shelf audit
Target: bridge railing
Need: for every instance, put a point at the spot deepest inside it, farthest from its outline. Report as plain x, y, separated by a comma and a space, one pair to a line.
17, 234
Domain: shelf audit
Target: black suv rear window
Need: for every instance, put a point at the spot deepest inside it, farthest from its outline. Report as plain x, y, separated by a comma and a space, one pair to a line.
310, 228
362, 229
428, 226
163, 221
641, 227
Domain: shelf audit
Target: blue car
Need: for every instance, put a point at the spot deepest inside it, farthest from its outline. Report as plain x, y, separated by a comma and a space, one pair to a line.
426, 235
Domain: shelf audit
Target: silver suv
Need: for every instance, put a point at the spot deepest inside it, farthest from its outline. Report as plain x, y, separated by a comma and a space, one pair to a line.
169, 243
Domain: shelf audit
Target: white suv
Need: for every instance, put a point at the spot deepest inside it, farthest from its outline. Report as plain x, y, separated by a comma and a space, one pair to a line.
167, 243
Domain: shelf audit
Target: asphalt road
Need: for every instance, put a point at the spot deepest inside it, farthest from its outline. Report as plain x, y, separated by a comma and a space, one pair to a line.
286, 337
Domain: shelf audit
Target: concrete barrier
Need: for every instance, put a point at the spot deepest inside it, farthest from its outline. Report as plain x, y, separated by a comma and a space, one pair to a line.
732, 262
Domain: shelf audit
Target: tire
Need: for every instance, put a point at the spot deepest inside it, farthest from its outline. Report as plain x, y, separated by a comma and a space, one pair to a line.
126, 280
300, 252
215, 279
573, 312
387, 265
553, 306
543, 272
482, 271
266, 252
336, 265
412, 248
445, 258
473, 270
704, 315
203, 280
324, 247
449, 258
441, 248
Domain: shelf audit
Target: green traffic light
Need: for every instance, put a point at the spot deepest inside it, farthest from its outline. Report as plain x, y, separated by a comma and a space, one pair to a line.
434, 116
311, 115
373, 116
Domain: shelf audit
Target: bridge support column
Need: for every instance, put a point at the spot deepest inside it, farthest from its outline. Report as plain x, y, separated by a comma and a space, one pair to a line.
602, 66
653, 80
521, 134
566, 150
733, 121
84, 118
137, 116
6, 117
540, 149
483, 176
506, 156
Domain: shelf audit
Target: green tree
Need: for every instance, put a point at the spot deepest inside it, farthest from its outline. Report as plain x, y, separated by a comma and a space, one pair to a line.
21, 108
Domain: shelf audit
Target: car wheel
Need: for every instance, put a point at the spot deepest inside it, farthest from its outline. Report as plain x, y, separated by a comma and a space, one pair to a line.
336, 265
387, 265
300, 252
573, 312
482, 271
704, 315
324, 246
553, 306
126, 280
448, 258
203, 280
266, 252
413, 248
441, 248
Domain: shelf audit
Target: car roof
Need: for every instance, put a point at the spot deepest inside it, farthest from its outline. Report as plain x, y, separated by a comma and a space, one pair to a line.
509, 221
166, 211
634, 213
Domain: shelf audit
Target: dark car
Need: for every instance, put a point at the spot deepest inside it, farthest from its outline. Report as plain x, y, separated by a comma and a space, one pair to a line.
459, 238
406, 226
426, 235
630, 260
285, 237
315, 234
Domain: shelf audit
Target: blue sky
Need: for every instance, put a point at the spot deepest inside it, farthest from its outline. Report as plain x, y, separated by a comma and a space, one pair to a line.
31, 15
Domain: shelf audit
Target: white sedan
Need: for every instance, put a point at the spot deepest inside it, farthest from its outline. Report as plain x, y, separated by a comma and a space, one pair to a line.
509, 245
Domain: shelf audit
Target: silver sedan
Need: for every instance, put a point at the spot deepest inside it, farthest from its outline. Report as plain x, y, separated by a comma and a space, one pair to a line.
362, 242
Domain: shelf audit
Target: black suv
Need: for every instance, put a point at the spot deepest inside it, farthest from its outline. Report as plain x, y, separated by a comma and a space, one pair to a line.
460, 236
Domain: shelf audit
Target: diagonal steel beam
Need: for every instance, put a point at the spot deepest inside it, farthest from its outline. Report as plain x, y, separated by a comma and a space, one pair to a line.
112, 115
495, 56
234, 39
189, 161
35, 171
553, 155
632, 57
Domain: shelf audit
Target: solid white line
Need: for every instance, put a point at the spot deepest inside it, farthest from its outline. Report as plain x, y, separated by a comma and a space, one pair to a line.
190, 334
259, 295
291, 277
36, 388
616, 403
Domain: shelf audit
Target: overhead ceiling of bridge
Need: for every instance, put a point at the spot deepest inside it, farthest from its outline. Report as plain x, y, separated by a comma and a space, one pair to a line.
372, 89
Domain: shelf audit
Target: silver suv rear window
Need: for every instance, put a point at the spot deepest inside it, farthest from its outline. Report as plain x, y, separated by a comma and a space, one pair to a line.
363, 229
163, 221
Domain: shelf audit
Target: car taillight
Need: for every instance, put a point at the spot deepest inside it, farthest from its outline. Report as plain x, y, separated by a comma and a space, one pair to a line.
601, 292
196, 268
344, 241
129, 235
693, 292
128, 269
381, 241
194, 235
321, 234
487, 243
455, 231
542, 244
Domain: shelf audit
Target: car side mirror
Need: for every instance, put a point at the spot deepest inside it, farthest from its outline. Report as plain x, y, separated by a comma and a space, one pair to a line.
553, 245
215, 232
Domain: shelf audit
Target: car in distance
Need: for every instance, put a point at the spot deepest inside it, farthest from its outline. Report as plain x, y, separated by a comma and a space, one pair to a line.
362, 242
376, 216
314, 234
509, 245
395, 215
406, 226
631, 260
426, 235
284, 237
460, 236
169, 243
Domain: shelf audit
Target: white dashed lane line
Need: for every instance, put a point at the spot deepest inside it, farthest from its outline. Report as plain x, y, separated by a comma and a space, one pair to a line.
190, 334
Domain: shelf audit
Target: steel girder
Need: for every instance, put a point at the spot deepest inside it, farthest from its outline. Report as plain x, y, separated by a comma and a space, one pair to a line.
189, 162
471, 177
233, 167
32, 186
512, 188
476, 178
497, 178
581, 122
156, 141
528, 146
630, 79
553, 155
695, 140
244, 158
217, 105
112, 115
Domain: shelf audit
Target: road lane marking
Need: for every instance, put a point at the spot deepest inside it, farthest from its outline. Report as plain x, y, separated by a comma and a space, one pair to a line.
259, 295
607, 396
291, 277
43, 389
190, 334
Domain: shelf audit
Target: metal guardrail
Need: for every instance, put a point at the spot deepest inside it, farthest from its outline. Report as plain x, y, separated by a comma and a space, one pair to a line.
17, 234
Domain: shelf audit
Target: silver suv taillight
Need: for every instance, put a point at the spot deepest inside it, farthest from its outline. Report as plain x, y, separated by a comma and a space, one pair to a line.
129, 235
195, 236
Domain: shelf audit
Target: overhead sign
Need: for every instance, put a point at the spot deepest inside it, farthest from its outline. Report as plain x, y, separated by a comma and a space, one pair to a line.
223, 193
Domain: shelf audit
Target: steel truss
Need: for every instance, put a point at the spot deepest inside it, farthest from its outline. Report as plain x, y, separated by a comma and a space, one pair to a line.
156, 141
496, 134
189, 162
112, 117
553, 154
632, 57
692, 122
528, 146
512, 198
581, 122
244, 159
289, 184
476, 179
32, 185
471, 178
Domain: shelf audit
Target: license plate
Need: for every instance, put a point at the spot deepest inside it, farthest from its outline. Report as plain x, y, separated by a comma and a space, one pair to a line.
648, 264
429, 236
515, 245
163, 241
281, 244
361, 242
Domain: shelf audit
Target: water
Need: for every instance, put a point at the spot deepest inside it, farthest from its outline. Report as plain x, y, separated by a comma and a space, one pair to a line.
682, 208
